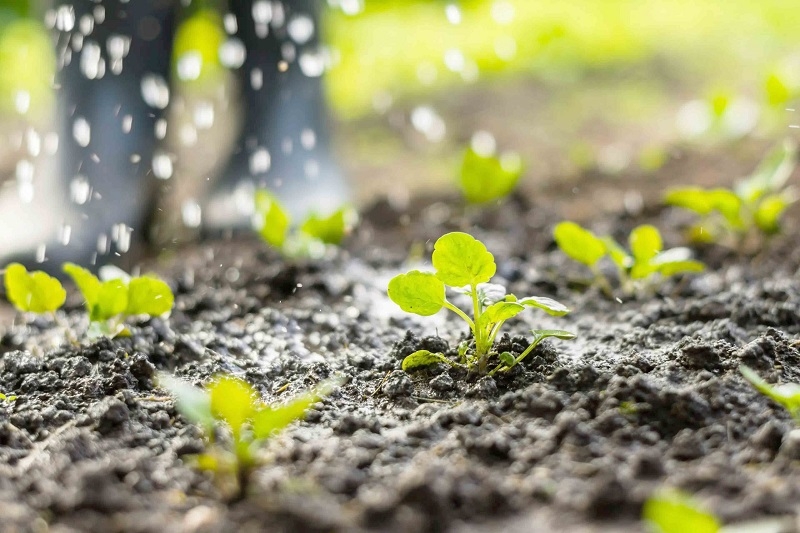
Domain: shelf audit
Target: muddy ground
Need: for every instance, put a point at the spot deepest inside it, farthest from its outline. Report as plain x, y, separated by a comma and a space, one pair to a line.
576, 439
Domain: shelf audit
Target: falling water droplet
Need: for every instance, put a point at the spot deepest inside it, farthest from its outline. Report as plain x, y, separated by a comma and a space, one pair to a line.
453, 14
308, 139
428, 122
483, 143
230, 23
162, 165
190, 66
80, 190
22, 101
260, 161
232, 53
81, 132
93, 65
155, 91
301, 28
262, 16
191, 214
454, 60
203, 115
312, 63
256, 79
127, 123
65, 18
161, 129
64, 234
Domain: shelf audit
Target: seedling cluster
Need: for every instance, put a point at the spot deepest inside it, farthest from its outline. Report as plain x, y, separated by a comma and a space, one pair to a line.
311, 238
463, 263
754, 206
641, 266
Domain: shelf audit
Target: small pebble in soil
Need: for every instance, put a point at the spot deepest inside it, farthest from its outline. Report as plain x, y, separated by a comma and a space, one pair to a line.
398, 385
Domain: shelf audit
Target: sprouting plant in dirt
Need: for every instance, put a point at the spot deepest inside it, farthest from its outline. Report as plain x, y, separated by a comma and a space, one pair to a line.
33, 292
311, 238
229, 406
637, 269
487, 178
7, 397
675, 512
463, 263
113, 300
786, 395
753, 207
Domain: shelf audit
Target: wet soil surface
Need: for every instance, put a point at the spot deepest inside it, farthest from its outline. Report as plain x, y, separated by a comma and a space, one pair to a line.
575, 439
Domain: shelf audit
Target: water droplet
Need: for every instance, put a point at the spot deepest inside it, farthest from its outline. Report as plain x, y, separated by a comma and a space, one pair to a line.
230, 23
41, 253
453, 14
127, 123
33, 142
256, 79
155, 91
454, 60
191, 213
161, 129
65, 18
86, 24
351, 7
64, 234
162, 165
80, 190
81, 132
102, 244
428, 122
503, 12
232, 53
190, 66
312, 63
308, 139
203, 115
260, 161
188, 135
24, 171
93, 66
483, 143
301, 28
22, 102
262, 16
99, 14
121, 234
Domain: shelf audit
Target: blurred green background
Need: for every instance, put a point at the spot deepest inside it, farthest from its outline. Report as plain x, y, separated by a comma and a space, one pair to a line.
570, 84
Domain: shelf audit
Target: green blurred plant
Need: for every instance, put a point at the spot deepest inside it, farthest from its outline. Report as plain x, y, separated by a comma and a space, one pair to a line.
786, 395
755, 205
33, 292
463, 263
487, 178
314, 235
230, 406
638, 269
675, 512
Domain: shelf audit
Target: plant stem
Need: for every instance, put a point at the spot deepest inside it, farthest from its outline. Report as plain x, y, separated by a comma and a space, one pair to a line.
536, 340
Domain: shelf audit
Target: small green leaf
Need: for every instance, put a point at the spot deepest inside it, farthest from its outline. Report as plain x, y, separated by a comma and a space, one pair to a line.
330, 230
423, 358
232, 401
149, 296
645, 243
786, 395
771, 174
777, 90
729, 205
541, 334
578, 243
460, 259
674, 512
271, 419
86, 282
680, 267
421, 293
34, 292
191, 402
507, 358
488, 178
274, 219
501, 311
769, 211
692, 198
617, 253
548, 305
111, 300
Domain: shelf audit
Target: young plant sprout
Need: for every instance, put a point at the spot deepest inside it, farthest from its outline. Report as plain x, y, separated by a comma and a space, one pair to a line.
675, 512
646, 260
310, 240
786, 395
755, 205
463, 263
110, 302
231, 403
486, 178
33, 292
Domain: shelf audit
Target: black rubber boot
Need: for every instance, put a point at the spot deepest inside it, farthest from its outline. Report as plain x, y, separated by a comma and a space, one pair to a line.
284, 143
93, 207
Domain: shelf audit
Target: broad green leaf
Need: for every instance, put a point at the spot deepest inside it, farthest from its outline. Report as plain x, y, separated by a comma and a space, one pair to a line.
786, 395
728, 204
548, 305
111, 300
232, 401
331, 229
86, 282
423, 358
778, 91
642, 270
499, 312
460, 259
769, 211
578, 243
191, 402
541, 334
274, 223
507, 358
645, 243
149, 296
674, 512
34, 292
771, 174
680, 267
692, 198
271, 419
421, 293
488, 178
617, 253
489, 293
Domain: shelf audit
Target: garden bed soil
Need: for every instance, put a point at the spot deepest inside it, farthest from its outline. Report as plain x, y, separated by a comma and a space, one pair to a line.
575, 439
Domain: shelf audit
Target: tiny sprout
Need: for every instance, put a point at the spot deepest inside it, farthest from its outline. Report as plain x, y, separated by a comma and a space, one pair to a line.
463, 263
786, 395
110, 302
488, 178
676, 512
754, 206
646, 259
232, 403
33, 292
310, 240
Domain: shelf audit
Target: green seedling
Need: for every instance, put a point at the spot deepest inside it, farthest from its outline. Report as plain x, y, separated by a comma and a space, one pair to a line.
231, 403
33, 292
488, 178
111, 301
463, 263
676, 512
311, 239
643, 264
754, 206
786, 395
7, 397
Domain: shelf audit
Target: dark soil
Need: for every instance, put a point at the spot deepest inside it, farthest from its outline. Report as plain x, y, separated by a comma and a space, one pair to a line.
574, 440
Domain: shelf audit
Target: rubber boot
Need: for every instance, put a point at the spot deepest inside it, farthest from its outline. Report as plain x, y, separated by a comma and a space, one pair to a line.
284, 144
93, 207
